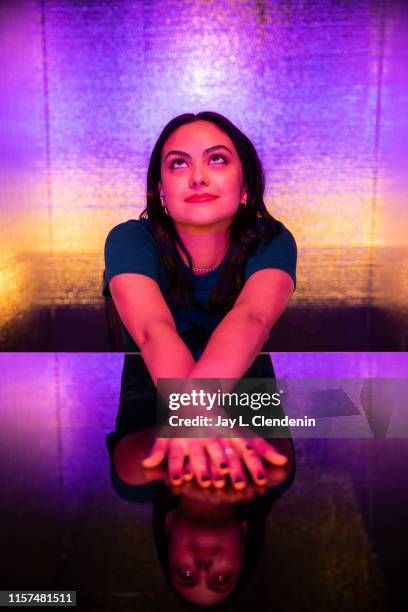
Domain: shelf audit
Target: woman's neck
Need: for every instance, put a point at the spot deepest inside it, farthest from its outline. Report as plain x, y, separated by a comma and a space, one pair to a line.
207, 249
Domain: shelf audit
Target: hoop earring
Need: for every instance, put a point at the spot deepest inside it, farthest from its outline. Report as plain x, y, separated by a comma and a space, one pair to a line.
163, 205
242, 205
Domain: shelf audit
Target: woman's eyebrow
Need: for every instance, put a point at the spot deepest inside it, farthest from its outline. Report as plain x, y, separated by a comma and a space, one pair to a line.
209, 150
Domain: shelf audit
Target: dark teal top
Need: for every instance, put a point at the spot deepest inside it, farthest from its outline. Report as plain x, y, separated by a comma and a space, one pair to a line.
131, 248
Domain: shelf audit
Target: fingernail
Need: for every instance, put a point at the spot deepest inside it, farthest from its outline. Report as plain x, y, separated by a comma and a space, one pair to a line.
239, 483
219, 482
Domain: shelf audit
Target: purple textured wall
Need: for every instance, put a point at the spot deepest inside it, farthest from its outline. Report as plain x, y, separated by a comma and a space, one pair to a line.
320, 88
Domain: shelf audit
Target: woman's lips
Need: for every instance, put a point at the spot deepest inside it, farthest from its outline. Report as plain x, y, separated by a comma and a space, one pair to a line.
201, 197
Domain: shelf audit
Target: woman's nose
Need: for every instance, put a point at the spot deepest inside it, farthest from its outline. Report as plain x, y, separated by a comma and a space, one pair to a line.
202, 562
198, 178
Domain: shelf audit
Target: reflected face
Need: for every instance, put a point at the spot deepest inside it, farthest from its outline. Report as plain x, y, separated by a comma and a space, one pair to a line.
201, 176
205, 557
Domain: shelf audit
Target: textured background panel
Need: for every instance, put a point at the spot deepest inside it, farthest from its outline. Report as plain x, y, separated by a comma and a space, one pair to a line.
320, 88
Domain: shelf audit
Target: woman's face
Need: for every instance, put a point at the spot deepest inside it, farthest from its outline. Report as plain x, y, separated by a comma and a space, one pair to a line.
205, 556
201, 176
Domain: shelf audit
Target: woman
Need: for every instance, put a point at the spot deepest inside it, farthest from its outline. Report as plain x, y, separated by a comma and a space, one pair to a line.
199, 281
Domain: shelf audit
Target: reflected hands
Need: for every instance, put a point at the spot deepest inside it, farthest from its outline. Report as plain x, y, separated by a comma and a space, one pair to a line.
214, 461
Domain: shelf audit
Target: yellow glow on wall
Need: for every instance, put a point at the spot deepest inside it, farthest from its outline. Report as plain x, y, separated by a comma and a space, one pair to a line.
15, 291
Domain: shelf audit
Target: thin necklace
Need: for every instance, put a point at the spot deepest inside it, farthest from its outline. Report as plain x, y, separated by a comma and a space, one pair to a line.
210, 269
201, 270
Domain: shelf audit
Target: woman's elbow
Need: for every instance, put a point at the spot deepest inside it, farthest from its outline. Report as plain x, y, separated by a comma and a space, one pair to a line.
154, 332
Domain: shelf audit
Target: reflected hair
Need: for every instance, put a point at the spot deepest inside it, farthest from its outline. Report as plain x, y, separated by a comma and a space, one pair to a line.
252, 226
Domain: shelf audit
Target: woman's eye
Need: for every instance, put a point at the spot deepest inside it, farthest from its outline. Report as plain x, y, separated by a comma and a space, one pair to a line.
175, 163
219, 158
220, 579
186, 575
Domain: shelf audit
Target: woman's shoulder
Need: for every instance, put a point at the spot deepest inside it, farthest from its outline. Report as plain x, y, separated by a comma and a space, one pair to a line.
130, 248
277, 249
132, 227
278, 235
132, 233
141, 490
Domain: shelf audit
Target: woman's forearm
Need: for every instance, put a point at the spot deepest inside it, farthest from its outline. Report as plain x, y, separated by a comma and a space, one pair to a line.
233, 346
165, 353
148, 320
230, 351
242, 333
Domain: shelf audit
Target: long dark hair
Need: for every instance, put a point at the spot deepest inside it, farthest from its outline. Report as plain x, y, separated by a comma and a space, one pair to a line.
246, 233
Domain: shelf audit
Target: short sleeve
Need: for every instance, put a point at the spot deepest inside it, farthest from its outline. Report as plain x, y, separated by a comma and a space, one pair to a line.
130, 248
280, 253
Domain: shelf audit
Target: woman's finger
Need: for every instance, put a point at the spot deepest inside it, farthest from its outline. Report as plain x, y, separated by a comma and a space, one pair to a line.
198, 461
157, 454
217, 478
251, 460
216, 455
176, 456
267, 451
187, 471
236, 469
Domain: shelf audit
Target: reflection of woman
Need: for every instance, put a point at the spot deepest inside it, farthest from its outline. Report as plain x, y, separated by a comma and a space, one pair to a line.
208, 542
200, 280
